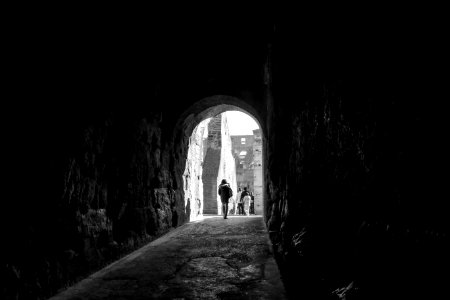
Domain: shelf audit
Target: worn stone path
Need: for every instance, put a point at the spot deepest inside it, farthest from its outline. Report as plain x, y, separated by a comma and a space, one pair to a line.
212, 258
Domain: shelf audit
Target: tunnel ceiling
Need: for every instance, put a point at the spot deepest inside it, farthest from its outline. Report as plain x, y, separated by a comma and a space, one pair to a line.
212, 106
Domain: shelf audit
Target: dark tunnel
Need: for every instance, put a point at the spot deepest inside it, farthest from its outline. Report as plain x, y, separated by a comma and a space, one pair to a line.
96, 131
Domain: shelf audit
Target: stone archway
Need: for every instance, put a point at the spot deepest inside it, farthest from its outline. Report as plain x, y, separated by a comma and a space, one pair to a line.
186, 130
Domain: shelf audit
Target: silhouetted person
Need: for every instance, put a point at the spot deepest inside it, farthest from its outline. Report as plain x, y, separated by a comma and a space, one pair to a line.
252, 204
225, 193
245, 200
241, 204
237, 201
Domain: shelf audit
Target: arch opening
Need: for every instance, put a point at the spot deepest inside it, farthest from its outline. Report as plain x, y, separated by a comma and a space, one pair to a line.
214, 152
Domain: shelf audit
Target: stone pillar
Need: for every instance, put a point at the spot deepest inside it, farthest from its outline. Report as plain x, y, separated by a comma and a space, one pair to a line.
192, 177
211, 166
257, 172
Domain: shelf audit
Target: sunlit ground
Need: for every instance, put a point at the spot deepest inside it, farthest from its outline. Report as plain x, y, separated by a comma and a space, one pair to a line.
221, 217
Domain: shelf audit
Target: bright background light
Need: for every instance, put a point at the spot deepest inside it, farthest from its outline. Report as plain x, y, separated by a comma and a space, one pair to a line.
240, 123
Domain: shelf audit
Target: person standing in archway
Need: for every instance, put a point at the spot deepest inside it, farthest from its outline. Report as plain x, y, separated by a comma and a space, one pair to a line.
245, 200
225, 193
252, 204
237, 201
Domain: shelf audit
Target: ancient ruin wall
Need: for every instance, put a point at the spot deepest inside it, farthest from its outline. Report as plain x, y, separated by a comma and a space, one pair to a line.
244, 166
192, 183
211, 166
218, 164
227, 168
343, 179
258, 172
110, 185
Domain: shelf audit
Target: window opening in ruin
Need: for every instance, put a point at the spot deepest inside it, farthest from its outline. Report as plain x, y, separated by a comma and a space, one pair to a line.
247, 145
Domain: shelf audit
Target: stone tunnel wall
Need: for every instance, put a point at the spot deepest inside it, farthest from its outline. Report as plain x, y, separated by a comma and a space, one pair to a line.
96, 148
111, 184
347, 182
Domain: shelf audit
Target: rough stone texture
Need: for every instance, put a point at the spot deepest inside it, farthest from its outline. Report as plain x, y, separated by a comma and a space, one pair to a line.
258, 172
351, 180
209, 259
193, 174
116, 191
211, 167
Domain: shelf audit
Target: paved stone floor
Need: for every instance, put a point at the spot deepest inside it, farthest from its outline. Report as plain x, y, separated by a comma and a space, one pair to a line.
212, 258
